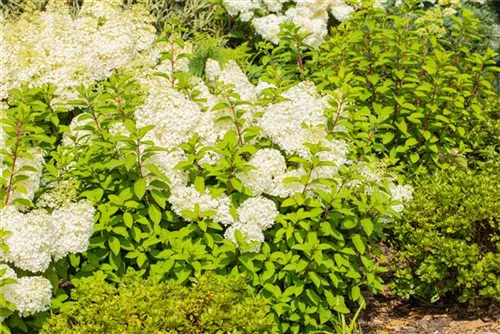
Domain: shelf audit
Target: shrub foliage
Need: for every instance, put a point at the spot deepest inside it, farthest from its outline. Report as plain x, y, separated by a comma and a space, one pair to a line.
418, 82
213, 304
448, 243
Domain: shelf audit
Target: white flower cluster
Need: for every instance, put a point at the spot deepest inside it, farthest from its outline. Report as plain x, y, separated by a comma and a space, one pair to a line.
38, 236
29, 294
58, 194
290, 124
232, 75
186, 198
296, 121
53, 47
402, 194
269, 167
255, 215
310, 15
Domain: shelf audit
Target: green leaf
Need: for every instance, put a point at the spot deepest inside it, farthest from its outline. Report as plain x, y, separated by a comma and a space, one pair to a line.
358, 243
313, 296
140, 188
367, 225
414, 157
315, 278
199, 184
402, 126
154, 213
411, 142
355, 293
114, 245
387, 137
141, 259
128, 220
268, 273
120, 230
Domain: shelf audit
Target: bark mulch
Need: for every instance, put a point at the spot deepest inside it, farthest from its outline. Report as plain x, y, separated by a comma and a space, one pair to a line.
393, 316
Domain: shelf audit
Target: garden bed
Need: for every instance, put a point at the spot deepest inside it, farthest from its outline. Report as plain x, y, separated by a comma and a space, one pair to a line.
400, 317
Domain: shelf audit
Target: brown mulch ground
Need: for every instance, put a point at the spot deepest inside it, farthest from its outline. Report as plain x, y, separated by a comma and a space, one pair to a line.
391, 316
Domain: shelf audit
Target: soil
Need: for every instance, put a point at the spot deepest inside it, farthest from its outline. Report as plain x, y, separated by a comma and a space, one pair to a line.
392, 316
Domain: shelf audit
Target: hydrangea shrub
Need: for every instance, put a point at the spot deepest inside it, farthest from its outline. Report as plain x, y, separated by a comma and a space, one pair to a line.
266, 16
53, 47
223, 175
42, 220
416, 92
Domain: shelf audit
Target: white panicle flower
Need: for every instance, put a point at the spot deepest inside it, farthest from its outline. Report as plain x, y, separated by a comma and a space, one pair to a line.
30, 295
223, 210
274, 5
258, 211
210, 99
30, 244
37, 236
52, 47
268, 164
166, 162
58, 194
401, 193
250, 233
341, 11
336, 153
286, 188
185, 199
231, 74
102, 9
175, 117
312, 18
74, 225
269, 27
292, 123
243, 7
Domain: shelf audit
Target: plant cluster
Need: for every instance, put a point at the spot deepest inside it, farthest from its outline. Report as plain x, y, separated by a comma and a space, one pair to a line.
133, 165
417, 90
41, 223
203, 176
214, 175
213, 304
54, 47
311, 16
448, 242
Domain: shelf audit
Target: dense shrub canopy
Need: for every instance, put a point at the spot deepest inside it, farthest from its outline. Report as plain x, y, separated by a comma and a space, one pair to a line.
449, 240
416, 83
212, 305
